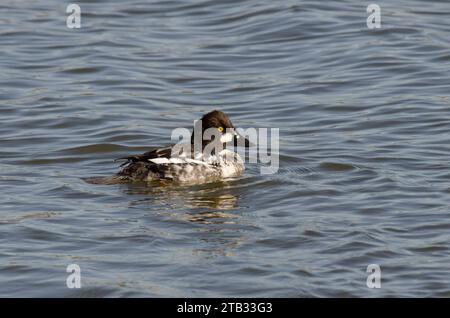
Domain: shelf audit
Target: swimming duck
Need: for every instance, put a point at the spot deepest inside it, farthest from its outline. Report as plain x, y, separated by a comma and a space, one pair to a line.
203, 160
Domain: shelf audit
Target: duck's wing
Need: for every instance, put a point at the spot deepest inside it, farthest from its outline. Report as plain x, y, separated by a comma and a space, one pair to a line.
164, 152
169, 152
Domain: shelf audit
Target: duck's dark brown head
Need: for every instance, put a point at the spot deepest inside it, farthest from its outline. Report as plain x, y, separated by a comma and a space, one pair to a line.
216, 119
220, 121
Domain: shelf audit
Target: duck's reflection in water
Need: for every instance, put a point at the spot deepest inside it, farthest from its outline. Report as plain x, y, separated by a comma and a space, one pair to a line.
219, 195
215, 206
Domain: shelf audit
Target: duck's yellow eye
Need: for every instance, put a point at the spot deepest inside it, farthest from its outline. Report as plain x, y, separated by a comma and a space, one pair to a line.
220, 129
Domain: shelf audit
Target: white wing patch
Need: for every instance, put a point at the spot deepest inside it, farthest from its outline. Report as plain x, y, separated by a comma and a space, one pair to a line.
159, 161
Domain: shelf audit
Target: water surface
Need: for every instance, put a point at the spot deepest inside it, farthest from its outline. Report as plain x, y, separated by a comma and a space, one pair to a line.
364, 148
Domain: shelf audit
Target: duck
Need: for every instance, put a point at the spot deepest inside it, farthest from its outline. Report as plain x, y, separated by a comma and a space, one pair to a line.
199, 161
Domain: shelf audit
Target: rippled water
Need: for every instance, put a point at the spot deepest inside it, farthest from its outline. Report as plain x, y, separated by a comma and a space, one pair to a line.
364, 152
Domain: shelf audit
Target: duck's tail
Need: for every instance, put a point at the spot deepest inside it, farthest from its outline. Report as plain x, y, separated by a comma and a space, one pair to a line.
126, 160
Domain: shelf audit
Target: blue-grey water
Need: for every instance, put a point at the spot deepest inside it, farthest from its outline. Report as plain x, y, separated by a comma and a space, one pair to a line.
364, 119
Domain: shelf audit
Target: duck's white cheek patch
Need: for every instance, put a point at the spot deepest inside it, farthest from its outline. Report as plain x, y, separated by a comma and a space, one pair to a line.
227, 137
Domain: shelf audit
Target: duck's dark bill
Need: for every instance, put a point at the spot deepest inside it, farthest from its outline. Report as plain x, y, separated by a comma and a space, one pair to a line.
241, 141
